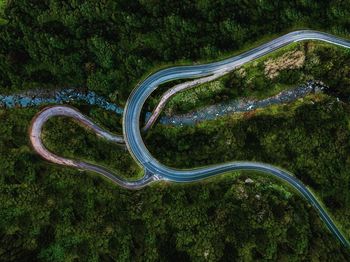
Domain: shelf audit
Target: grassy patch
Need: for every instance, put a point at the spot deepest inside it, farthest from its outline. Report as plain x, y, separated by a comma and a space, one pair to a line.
251, 80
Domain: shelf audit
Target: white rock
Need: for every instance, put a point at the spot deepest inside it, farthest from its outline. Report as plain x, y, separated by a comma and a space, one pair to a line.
248, 181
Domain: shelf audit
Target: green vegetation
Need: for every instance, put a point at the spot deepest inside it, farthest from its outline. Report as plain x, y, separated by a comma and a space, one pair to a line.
310, 138
269, 75
107, 46
2, 7
67, 139
53, 213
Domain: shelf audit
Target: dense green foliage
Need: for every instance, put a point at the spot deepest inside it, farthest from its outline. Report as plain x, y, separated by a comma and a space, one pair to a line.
320, 61
67, 139
106, 46
312, 141
51, 213
2, 6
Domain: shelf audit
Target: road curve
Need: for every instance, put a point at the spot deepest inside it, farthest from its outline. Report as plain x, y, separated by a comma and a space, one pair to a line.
136, 146
176, 89
35, 138
132, 134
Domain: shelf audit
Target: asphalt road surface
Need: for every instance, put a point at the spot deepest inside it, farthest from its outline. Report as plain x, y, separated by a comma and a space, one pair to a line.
136, 146
154, 170
36, 140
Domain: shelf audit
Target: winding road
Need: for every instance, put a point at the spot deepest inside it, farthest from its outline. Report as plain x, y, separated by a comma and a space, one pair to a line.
154, 170
36, 140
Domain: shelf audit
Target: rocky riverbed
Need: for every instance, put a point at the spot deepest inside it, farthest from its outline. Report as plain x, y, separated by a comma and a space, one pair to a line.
241, 105
66, 96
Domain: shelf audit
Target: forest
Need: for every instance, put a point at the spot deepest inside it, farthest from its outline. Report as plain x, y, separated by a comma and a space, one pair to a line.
263, 78
54, 213
309, 138
108, 46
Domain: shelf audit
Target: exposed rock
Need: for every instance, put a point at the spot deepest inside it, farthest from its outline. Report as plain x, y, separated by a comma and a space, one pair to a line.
242, 105
290, 60
248, 181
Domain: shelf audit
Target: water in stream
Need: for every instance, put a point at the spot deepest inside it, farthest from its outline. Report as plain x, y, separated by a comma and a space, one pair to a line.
66, 96
240, 105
